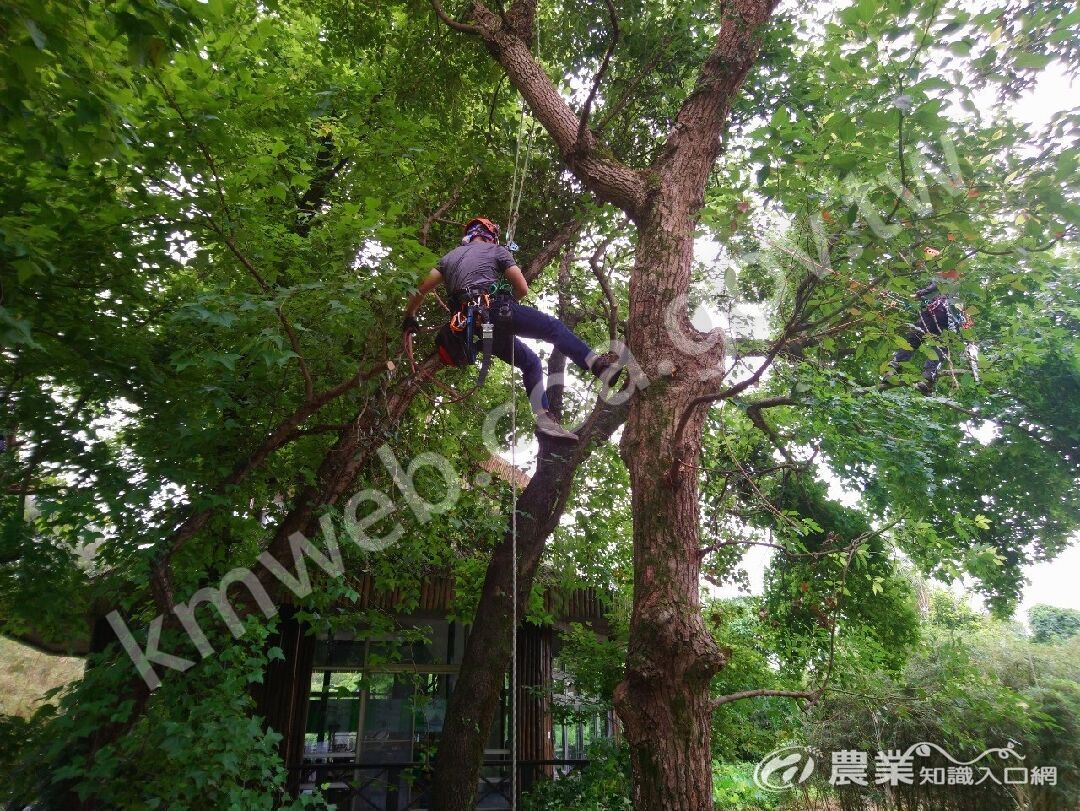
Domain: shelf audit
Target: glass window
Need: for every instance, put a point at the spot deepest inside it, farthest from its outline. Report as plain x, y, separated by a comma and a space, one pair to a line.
333, 714
381, 701
388, 719
339, 654
437, 642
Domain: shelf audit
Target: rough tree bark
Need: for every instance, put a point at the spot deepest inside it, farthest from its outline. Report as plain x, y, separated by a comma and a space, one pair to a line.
475, 699
664, 698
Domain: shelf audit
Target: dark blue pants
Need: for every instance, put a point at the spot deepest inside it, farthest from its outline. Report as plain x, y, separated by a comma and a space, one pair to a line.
933, 323
529, 323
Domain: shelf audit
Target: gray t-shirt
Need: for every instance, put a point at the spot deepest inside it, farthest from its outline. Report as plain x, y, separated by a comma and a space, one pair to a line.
476, 265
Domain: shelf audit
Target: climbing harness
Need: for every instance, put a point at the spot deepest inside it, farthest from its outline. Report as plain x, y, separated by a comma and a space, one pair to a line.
476, 314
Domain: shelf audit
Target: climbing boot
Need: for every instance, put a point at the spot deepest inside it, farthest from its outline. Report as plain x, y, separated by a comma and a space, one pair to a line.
607, 370
549, 426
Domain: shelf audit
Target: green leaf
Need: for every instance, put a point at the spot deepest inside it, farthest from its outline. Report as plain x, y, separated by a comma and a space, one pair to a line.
1034, 60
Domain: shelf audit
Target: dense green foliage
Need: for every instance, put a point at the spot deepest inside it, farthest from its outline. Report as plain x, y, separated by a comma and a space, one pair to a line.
1050, 624
212, 212
972, 685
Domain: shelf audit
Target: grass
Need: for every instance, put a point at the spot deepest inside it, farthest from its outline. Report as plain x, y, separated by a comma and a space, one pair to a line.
26, 675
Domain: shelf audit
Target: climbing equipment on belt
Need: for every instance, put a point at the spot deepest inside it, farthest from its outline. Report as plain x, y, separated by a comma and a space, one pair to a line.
471, 329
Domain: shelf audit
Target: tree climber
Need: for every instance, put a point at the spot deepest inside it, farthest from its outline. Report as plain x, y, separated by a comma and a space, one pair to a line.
481, 268
938, 313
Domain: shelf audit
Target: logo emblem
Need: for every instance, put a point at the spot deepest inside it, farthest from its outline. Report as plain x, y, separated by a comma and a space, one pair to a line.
784, 768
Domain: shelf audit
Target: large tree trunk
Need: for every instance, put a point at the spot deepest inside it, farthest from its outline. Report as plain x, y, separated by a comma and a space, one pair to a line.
664, 701
480, 681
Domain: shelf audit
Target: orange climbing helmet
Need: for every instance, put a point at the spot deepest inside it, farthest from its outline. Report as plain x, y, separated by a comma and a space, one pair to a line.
480, 226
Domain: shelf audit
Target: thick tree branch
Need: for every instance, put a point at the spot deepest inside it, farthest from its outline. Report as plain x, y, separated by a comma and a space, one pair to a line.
694, 140
610, 180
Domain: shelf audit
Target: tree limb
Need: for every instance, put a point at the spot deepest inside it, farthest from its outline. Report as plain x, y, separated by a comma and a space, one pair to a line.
465, 28
722, 700
451, 201
693, 142
610, 180
730, 391
602, 280
547, 254
286, 325
753, 413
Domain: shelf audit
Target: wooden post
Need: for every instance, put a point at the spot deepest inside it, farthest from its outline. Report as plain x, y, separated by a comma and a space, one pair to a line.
283, 696
534, 728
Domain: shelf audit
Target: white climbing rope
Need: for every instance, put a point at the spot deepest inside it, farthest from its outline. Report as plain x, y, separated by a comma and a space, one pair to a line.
517, 190
521, 170
521, 165
514, 589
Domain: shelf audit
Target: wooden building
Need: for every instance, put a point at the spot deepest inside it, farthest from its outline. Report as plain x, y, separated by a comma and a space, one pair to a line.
362, 711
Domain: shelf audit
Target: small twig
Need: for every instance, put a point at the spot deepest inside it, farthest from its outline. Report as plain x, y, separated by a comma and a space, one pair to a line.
323, 428
441, 210
813, 696
731, 391
199, 144
903, 169
1068, 231
646, 70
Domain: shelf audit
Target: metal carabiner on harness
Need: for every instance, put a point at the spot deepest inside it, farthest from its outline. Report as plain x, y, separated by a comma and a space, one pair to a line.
487, 339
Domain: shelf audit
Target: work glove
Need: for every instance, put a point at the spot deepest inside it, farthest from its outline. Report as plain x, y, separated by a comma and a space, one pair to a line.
410, 325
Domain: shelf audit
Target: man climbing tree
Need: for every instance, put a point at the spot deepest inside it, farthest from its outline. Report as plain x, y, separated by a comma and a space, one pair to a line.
938, 314
483, 273
664, 701
161, 249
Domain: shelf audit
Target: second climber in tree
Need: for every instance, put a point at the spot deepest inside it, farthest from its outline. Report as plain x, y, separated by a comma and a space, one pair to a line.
939, 312
481, 267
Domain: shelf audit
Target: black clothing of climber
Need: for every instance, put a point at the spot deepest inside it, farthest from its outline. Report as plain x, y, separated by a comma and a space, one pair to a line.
936, 315
475, 267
